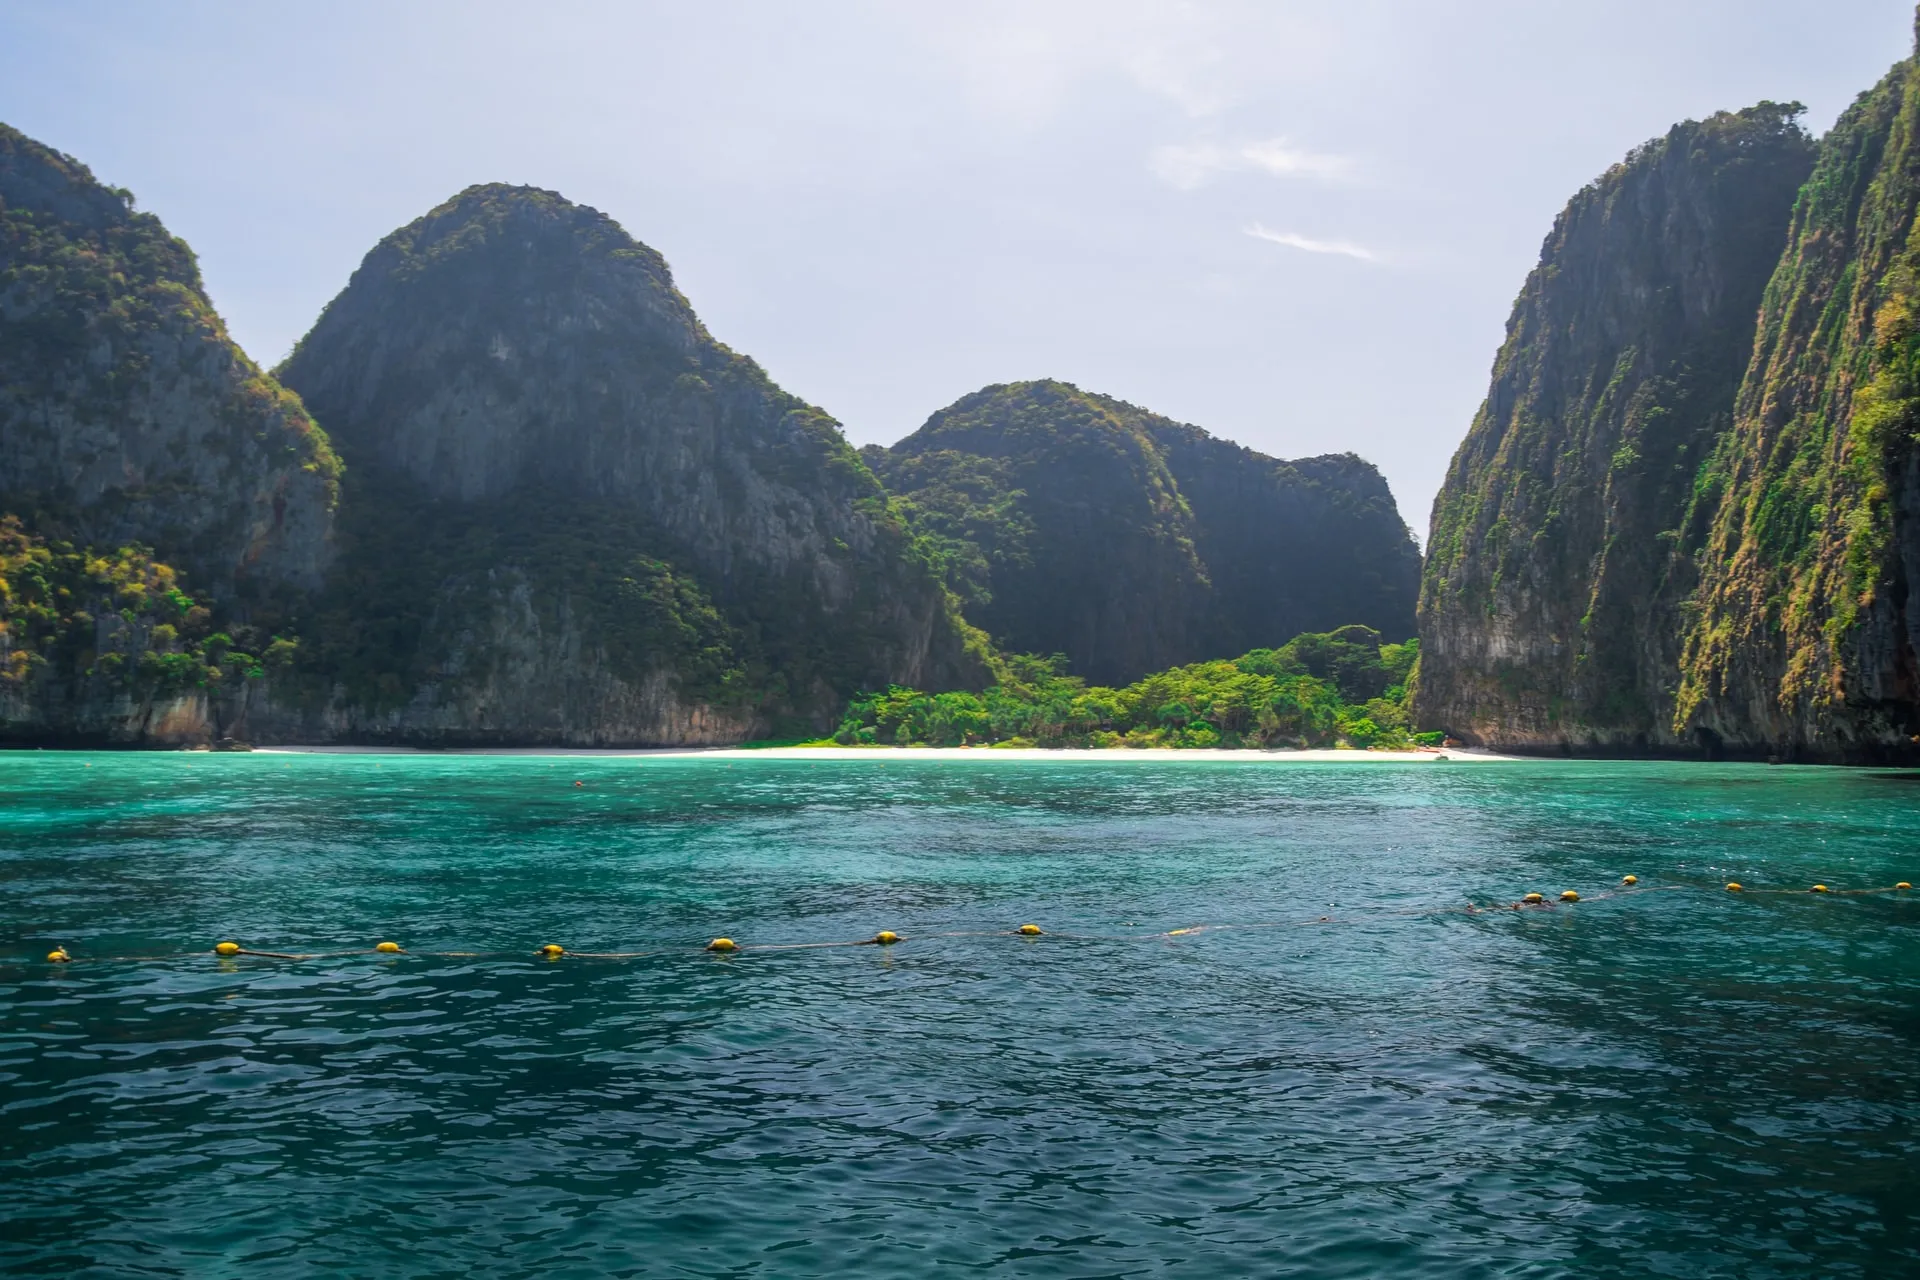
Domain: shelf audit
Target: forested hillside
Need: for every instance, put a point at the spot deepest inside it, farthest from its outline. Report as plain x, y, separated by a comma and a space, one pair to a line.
1075, 524
571, 515
143, 457
552, 509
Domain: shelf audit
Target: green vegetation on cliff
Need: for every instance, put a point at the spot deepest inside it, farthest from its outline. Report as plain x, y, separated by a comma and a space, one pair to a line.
1808, 635
140, 451
410, 603
1075, 523
1059, 524
88, 637
1689, 514
567, 503
126, 412
560, 511
1561, 559
1317, 690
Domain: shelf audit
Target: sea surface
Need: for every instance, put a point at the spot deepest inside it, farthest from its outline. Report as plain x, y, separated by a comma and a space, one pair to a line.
1672, 1081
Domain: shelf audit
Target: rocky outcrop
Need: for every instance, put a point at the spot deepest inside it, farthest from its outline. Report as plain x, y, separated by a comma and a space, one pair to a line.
566, 514
570, 515
1309, 545
1806, 642
516, 669
1561, 563
163, 503
126, 413
1078, 524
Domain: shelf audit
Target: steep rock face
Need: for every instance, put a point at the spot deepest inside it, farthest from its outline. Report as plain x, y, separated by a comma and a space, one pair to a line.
571, 515
126, 413
1078, 524
1087, 547
1805, 640
1291, 547
143, 457
1560, 561
519, 665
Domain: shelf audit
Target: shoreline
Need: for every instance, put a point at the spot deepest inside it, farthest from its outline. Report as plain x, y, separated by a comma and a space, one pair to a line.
1159, 754
1233, 755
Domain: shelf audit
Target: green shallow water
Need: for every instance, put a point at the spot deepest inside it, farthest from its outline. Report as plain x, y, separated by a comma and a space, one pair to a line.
1676, 1083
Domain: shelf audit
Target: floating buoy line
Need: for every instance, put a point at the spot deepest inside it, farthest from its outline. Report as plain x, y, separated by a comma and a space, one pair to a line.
552, 951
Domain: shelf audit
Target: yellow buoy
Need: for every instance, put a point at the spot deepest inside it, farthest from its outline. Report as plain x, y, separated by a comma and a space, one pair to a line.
389, 948
1629, 879
1533, 897
1903, 885
1031, 930
227, 949
886, 937
552, 951
58, 955
1569, 896
1819, 888
1734, 886
723, 944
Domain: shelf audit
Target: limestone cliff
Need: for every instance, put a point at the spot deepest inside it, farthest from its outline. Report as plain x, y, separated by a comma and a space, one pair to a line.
1560, 564
126, 413
1078, 524
163, 503
1805, 643
571, 515
1307, 545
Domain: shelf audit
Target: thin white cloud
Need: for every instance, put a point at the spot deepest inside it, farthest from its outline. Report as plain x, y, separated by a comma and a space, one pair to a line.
1024, 62
1187, 167
1277, 158
1293, 240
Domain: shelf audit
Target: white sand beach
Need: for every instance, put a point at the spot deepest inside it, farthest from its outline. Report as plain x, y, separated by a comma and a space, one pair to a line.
1114, 755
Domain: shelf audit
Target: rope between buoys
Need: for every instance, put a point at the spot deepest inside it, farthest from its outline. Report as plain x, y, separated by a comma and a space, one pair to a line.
1630, 886
1822, 889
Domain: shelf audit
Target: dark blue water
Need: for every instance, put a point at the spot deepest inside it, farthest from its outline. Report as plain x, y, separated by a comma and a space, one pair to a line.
1679, 1082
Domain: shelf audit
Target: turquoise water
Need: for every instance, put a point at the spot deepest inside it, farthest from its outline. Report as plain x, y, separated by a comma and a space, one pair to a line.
1680, 1082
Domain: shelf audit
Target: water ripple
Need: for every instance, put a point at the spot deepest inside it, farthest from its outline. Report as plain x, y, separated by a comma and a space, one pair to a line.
1674, 1084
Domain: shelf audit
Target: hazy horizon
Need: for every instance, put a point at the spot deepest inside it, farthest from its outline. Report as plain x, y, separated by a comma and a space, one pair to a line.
1300, 227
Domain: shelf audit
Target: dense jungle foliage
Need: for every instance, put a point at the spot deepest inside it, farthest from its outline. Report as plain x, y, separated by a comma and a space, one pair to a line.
117, 621
1338, 688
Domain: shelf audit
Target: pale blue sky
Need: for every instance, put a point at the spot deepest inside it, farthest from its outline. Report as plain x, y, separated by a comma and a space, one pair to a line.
1298, 225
